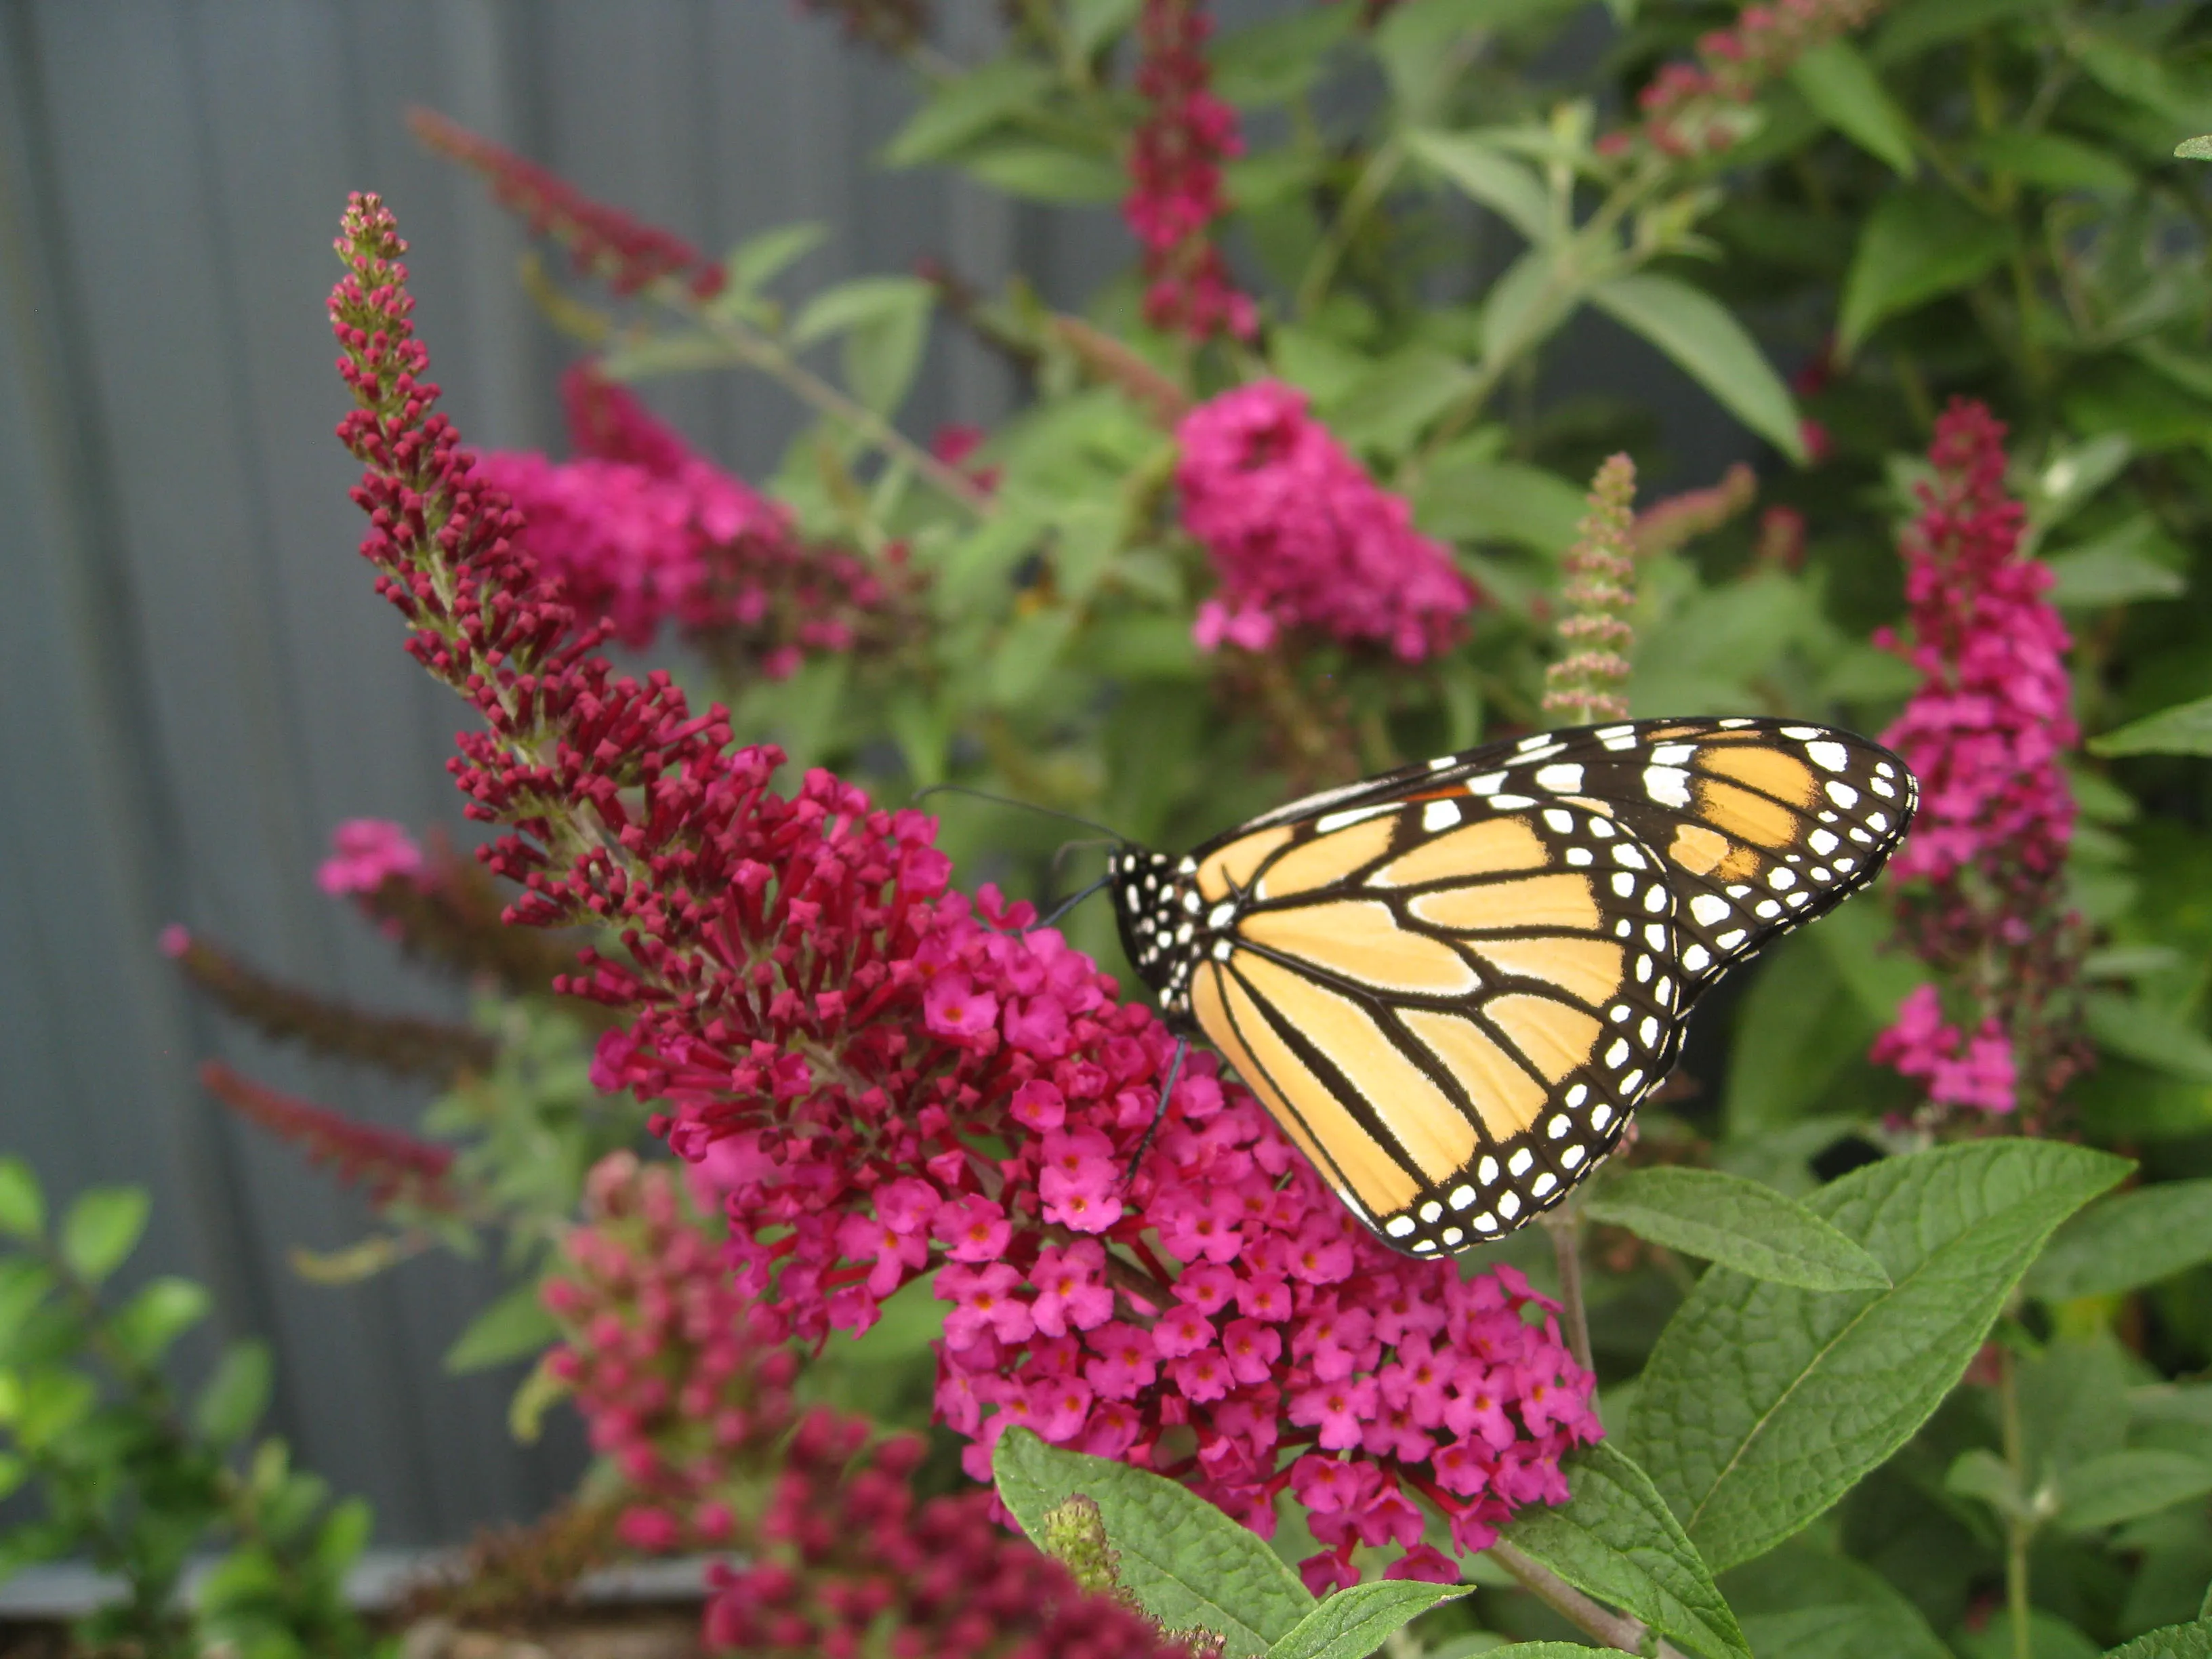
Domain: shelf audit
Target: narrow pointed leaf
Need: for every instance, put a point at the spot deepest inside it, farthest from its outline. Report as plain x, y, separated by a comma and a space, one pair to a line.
2184, 729
1763, 1403
2127, 1241
1738, 1224
22, 1206
1187, 1563
2123, 1485
102, 1228
513, 1327
1918, 244
1499, 182
1844, 89
2193, 1641
1356, 1621
1697, 331
1616, 1539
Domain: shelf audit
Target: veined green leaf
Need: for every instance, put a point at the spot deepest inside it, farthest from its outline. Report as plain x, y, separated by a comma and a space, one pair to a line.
1918, 244
1738, 1224
1763, 1403
2193, 1641
1355, 1621
1698, 333
962, 109
1615, 1538
1488, 175
1187, 1563
1843, 90
2129, 1240
2184, 729
2195, 149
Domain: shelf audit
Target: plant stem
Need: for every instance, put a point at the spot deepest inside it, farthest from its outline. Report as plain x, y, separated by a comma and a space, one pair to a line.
2020, 1530
1565, 1225
1366, 190
757, 350
1615, 1630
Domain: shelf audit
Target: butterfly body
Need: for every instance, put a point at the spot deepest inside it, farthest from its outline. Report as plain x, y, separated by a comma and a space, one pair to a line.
1451, 984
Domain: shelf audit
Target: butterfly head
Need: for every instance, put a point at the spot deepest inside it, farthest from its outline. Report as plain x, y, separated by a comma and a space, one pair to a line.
1156, 904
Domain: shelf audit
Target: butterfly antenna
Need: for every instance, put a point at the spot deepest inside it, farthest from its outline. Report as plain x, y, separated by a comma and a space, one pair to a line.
1065, 905
920, 795
1175, 1068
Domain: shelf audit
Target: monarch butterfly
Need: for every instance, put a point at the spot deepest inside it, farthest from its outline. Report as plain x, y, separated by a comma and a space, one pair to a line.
1452, 983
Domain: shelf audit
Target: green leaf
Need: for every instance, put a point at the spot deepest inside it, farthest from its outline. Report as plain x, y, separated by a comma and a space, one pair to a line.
2184, 729
1918, 244
235, 1397
1843, 90
855, 304
22, 1205
1762, 1404
2148, 1037
1045, 172
2123, 1485
513, 1326
1272, 62
161, 1312
1499, 501
535, 1395
2048, 1637
1615, 1538
965, 108
1545, 1651
1912, 30
2118, 567
1738, 1224
1387, 407
1489, 176
101, 1229
2195, 149
1699, 334
2127, 1241
14, 1472
1187, 1563
1521, 307
1358, 1619
2175, 1641
2052, 161
759, 260
2127, 71
1026, 653
1092, 23
1800, 1602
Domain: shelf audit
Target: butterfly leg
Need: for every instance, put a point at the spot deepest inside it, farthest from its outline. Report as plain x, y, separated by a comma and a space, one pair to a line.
1175, 1068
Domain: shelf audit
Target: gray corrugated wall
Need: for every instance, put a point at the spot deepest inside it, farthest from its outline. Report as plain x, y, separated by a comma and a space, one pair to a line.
196, 681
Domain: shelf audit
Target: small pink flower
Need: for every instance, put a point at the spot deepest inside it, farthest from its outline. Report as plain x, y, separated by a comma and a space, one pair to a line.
364, 854
982, 1303
972, 1228
1071, 1292
953, 1007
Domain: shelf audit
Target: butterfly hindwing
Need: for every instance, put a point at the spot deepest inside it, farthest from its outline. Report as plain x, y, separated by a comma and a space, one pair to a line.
1451, 984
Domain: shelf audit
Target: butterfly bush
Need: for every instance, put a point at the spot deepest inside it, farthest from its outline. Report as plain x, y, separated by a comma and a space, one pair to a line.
1702, 108
1983, 868
642, 532
1176, 191
1302, 538
887, 1078
686, 1381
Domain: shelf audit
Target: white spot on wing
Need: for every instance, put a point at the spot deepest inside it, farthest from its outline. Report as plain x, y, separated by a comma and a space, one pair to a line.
1710, 909
1439, 815
1842, 794
1670, 786
1832, 756
1344, 820
1563, 780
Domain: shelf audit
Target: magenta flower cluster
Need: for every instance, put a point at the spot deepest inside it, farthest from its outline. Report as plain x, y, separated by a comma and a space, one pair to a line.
366, 853
887, 1079
1984, 732
1302, 538
642, 532
686, 1385
1176, 192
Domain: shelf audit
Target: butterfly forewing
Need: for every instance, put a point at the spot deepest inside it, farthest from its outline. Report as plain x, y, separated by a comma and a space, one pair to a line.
1451, 984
